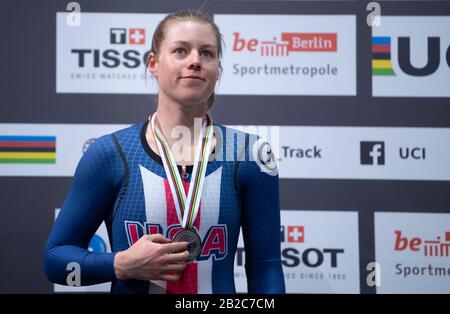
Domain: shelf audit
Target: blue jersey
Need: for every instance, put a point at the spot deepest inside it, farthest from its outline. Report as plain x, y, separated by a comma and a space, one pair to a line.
121, 181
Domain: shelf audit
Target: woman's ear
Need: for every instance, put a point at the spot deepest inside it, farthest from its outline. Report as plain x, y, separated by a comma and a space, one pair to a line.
152, 64
219, 71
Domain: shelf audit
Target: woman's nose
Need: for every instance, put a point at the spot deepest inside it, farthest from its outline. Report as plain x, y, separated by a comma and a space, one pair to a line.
194, 61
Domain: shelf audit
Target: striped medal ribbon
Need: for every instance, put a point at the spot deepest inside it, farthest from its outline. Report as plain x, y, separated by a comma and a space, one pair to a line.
186, 207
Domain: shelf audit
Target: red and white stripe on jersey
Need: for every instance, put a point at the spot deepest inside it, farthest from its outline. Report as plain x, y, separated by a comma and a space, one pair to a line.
197, 277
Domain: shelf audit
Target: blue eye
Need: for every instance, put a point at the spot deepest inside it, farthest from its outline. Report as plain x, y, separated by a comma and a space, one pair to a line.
207, 53
180, 51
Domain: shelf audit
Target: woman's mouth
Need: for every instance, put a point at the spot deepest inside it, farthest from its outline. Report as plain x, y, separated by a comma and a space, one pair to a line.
192, 77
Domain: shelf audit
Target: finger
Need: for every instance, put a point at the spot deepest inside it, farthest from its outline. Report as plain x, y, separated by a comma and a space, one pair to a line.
175, 247
173, 268
159, 238
176, 257
171, 277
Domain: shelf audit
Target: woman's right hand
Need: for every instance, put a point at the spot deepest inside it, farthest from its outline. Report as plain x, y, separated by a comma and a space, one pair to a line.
152, 257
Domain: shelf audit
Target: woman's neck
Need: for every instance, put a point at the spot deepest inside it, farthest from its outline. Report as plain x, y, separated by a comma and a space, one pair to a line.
170, 116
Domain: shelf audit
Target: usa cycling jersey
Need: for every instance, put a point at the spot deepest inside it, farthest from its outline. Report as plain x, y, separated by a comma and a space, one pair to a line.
121, 181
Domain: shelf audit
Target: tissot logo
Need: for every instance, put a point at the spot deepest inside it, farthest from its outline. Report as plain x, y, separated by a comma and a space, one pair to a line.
136, 36
106, 55
295, 234
113, 58
372, 153
310, 257
313, 261
118, 36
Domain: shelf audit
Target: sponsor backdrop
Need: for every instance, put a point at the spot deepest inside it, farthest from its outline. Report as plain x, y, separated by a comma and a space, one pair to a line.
358, 118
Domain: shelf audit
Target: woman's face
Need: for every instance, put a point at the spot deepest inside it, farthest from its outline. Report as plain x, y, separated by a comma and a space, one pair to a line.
187, 65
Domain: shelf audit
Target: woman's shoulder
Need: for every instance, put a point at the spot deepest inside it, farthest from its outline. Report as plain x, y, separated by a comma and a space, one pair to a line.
130, 131
240, 137
238, 132
106, 145
252, 150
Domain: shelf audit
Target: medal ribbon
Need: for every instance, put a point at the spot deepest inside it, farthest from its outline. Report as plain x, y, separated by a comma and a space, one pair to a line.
186, 207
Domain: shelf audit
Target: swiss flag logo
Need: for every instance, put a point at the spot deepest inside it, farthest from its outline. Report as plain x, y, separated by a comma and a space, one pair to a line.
296, 234
136, 36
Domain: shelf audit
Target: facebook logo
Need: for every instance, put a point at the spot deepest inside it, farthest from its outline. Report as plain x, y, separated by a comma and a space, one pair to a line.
372, 153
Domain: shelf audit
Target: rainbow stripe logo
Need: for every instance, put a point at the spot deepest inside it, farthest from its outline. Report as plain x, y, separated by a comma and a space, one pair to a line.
381, 56
27, 149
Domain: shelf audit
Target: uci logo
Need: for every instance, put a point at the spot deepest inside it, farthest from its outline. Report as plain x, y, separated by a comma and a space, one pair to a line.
265, 159
382, 58
434, 57
97, 245
433, 61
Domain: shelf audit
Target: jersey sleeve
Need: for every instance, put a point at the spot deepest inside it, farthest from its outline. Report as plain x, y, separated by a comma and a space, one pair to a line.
259, 188
90, 200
